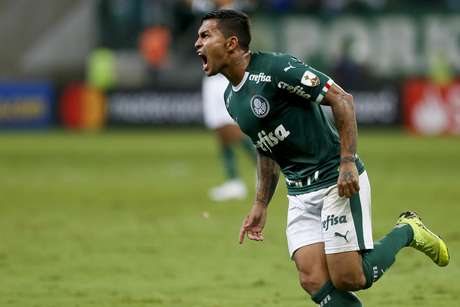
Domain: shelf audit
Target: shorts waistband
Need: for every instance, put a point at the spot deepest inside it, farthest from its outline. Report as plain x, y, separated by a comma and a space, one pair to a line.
302, 183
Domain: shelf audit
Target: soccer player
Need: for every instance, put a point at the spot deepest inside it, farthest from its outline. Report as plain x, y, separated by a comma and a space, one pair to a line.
275, 99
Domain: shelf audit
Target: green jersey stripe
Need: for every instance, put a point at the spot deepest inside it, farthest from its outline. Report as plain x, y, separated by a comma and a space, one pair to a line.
356, 212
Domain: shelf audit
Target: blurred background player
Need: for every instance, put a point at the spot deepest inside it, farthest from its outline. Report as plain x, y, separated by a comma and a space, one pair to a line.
216, 117
228, 135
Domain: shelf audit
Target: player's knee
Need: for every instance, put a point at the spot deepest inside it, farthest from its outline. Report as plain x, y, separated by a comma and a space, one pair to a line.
311, 282
349, 281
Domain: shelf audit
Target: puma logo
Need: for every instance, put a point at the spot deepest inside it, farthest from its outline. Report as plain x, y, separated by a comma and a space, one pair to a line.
338, 234
289, 67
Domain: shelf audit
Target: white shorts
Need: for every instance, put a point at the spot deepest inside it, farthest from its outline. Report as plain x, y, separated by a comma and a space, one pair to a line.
214, 111
343, 224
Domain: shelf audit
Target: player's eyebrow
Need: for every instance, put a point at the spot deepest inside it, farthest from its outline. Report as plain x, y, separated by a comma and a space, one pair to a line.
203, 33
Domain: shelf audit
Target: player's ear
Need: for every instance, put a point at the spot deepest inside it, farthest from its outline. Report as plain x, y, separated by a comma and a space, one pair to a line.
231, 43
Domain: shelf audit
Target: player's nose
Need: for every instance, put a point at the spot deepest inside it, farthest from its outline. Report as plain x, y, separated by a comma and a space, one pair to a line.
198, 44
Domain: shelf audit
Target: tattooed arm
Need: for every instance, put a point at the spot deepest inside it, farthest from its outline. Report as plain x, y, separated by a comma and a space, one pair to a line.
268, 173
267, 179
344, 115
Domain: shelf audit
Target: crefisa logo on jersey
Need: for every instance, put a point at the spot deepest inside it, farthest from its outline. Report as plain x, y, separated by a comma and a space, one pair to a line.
298, 90
271, 139
261, 77
260, 106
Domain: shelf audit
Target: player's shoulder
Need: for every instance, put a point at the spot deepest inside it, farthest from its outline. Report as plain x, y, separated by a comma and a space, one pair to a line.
275, 62
272, 58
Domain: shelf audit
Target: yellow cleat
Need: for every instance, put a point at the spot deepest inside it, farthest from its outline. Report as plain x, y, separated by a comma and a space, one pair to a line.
425, 240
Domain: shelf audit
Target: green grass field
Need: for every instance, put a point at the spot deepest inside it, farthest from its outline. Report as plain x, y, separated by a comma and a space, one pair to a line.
122, 219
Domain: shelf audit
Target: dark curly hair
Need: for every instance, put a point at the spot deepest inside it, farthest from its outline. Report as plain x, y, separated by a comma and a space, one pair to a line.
232, 23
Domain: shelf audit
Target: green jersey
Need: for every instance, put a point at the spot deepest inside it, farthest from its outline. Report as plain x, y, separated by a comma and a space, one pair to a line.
277, 104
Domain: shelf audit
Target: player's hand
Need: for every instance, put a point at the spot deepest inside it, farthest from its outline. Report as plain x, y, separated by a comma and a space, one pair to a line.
348, 182
254, 223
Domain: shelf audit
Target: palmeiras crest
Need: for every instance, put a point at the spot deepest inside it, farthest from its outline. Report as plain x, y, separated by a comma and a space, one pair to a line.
260, 106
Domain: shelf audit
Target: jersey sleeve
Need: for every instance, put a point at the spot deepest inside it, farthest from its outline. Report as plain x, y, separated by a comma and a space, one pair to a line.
296, 78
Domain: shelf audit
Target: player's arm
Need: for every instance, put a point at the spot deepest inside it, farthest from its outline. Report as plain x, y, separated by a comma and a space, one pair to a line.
267, 180
299, 79
344, 115
268, 173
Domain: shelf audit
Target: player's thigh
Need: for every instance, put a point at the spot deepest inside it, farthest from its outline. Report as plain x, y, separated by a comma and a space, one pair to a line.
304, 239
346, 222
346, 270
229, 133
347, 231
303, 221
311, 265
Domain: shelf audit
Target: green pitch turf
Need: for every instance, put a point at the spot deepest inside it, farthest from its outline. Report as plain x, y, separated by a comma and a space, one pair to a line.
123, 219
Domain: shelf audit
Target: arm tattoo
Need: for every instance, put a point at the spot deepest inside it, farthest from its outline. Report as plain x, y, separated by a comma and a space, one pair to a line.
344, 115
267, 179
348, 176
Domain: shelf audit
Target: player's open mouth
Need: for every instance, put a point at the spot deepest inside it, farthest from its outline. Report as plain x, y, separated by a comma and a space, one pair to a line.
204, 59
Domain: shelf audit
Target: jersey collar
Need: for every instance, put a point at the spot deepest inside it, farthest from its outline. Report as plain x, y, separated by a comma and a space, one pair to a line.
240, 85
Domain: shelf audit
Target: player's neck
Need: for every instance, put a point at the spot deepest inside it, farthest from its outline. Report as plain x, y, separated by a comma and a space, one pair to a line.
237, 67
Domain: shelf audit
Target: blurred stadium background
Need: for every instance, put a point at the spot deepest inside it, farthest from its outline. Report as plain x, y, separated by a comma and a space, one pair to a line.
105, 163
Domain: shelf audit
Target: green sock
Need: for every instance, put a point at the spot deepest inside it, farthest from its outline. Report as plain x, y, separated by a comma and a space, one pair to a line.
378, 260
329, 296
249, 148
228, 158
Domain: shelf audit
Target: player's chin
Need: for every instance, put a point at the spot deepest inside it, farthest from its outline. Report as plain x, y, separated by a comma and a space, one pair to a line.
207, 69
210, 73
211, 70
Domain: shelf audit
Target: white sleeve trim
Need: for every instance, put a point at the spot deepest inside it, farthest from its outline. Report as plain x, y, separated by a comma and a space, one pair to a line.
324, 90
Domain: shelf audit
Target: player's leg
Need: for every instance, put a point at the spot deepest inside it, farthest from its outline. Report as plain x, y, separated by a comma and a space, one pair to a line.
228, 135
233, 188
409, 231
248, 147
353, 261
358, 270
306, 249
347, 269
347, 231
311, 265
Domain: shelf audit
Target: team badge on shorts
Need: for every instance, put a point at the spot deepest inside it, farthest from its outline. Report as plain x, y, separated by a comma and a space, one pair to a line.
260, 106
309, 79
